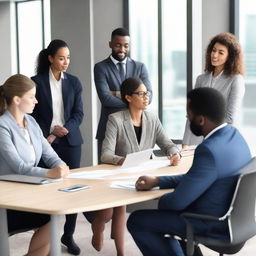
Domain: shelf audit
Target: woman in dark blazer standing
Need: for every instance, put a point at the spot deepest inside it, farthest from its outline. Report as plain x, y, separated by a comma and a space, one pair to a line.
59, 113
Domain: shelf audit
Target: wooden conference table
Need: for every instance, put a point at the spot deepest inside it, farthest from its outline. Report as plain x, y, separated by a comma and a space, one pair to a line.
48, 200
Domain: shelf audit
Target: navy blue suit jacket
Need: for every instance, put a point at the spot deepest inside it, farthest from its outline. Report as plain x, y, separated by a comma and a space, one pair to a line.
208, 186
107, 79
72, 102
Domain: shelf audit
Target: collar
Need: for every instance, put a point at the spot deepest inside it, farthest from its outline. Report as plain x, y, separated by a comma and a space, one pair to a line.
52, 77
116, 61
220, 74
214, 130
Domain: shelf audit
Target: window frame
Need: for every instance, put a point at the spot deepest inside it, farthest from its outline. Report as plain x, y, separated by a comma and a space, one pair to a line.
192, 12
17, 3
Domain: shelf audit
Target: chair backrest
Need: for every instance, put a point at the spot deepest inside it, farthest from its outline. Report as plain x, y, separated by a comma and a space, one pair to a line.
242, 223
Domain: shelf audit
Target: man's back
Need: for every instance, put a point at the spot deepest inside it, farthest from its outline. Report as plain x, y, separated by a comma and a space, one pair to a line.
230, 153
208, 186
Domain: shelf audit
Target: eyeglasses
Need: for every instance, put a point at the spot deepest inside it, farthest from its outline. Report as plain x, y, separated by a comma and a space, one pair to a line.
143, 94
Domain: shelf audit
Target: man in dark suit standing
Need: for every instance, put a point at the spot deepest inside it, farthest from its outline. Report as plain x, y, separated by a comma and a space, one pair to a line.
109, 75
207, 188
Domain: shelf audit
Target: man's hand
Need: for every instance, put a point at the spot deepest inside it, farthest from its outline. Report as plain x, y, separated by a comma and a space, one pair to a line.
59, 131
146, 182
60, 171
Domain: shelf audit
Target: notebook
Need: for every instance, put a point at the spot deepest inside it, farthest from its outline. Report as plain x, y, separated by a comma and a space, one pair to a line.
137, 158
28, 179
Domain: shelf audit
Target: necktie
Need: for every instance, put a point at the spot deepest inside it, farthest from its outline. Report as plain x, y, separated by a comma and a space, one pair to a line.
121, 71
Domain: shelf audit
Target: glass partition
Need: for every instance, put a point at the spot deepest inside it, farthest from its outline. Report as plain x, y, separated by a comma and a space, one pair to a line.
174, 54
33, 30
247, 38
144, 40
158, 35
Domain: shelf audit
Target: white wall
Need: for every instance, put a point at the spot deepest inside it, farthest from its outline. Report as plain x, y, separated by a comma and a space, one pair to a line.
108, 15
215, 20
7, 52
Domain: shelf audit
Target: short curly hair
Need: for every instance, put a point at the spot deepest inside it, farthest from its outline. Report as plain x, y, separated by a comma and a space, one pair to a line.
234, 64
207, 102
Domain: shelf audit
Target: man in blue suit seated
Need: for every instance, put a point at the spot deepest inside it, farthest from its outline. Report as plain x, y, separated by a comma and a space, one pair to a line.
109, 75
207, 187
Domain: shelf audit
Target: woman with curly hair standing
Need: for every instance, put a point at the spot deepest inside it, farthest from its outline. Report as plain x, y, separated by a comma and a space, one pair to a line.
224, 71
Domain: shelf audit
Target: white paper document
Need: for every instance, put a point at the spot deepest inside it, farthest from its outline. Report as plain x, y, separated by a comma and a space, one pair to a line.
186, 153
95, 174
150, 165
135, 163
136, 158
130, 185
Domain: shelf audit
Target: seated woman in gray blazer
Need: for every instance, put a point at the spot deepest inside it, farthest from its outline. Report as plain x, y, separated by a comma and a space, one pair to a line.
129, 131
22, 144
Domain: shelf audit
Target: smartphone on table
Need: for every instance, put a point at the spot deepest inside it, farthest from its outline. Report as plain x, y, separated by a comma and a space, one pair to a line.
74, 188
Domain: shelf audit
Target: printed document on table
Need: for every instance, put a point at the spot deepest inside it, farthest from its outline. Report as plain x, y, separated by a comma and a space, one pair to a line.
130, 185
149, 165
134, 163
96, 174
136, 158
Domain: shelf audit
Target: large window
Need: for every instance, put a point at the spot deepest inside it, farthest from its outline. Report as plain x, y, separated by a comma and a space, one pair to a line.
144, 40
159, 39
174, 53
32, 30
246, 25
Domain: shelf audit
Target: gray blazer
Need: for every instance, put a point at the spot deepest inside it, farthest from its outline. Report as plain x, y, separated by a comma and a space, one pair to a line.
14, 157
120, 138
232, 88
107, 79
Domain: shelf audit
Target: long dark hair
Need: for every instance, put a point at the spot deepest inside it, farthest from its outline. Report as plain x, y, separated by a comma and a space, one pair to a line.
43, 62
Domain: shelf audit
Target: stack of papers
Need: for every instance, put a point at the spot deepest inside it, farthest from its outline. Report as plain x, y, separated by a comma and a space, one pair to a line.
130, 185
134, 163
96, 174
137, 158
150, 165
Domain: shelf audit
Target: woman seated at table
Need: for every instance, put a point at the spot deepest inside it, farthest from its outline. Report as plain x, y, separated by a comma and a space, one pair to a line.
129, 131
22, 144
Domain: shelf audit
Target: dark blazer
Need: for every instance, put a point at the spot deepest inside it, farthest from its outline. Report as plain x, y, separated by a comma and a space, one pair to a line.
107, 79
121, 140
208, 186
72, 101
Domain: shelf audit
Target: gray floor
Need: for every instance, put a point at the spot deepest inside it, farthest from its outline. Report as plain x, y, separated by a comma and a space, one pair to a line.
83, 234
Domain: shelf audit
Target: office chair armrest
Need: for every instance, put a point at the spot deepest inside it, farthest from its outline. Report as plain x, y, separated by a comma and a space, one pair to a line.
188, 215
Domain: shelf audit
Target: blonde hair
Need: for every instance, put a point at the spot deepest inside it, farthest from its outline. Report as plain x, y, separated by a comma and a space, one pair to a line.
16, 85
